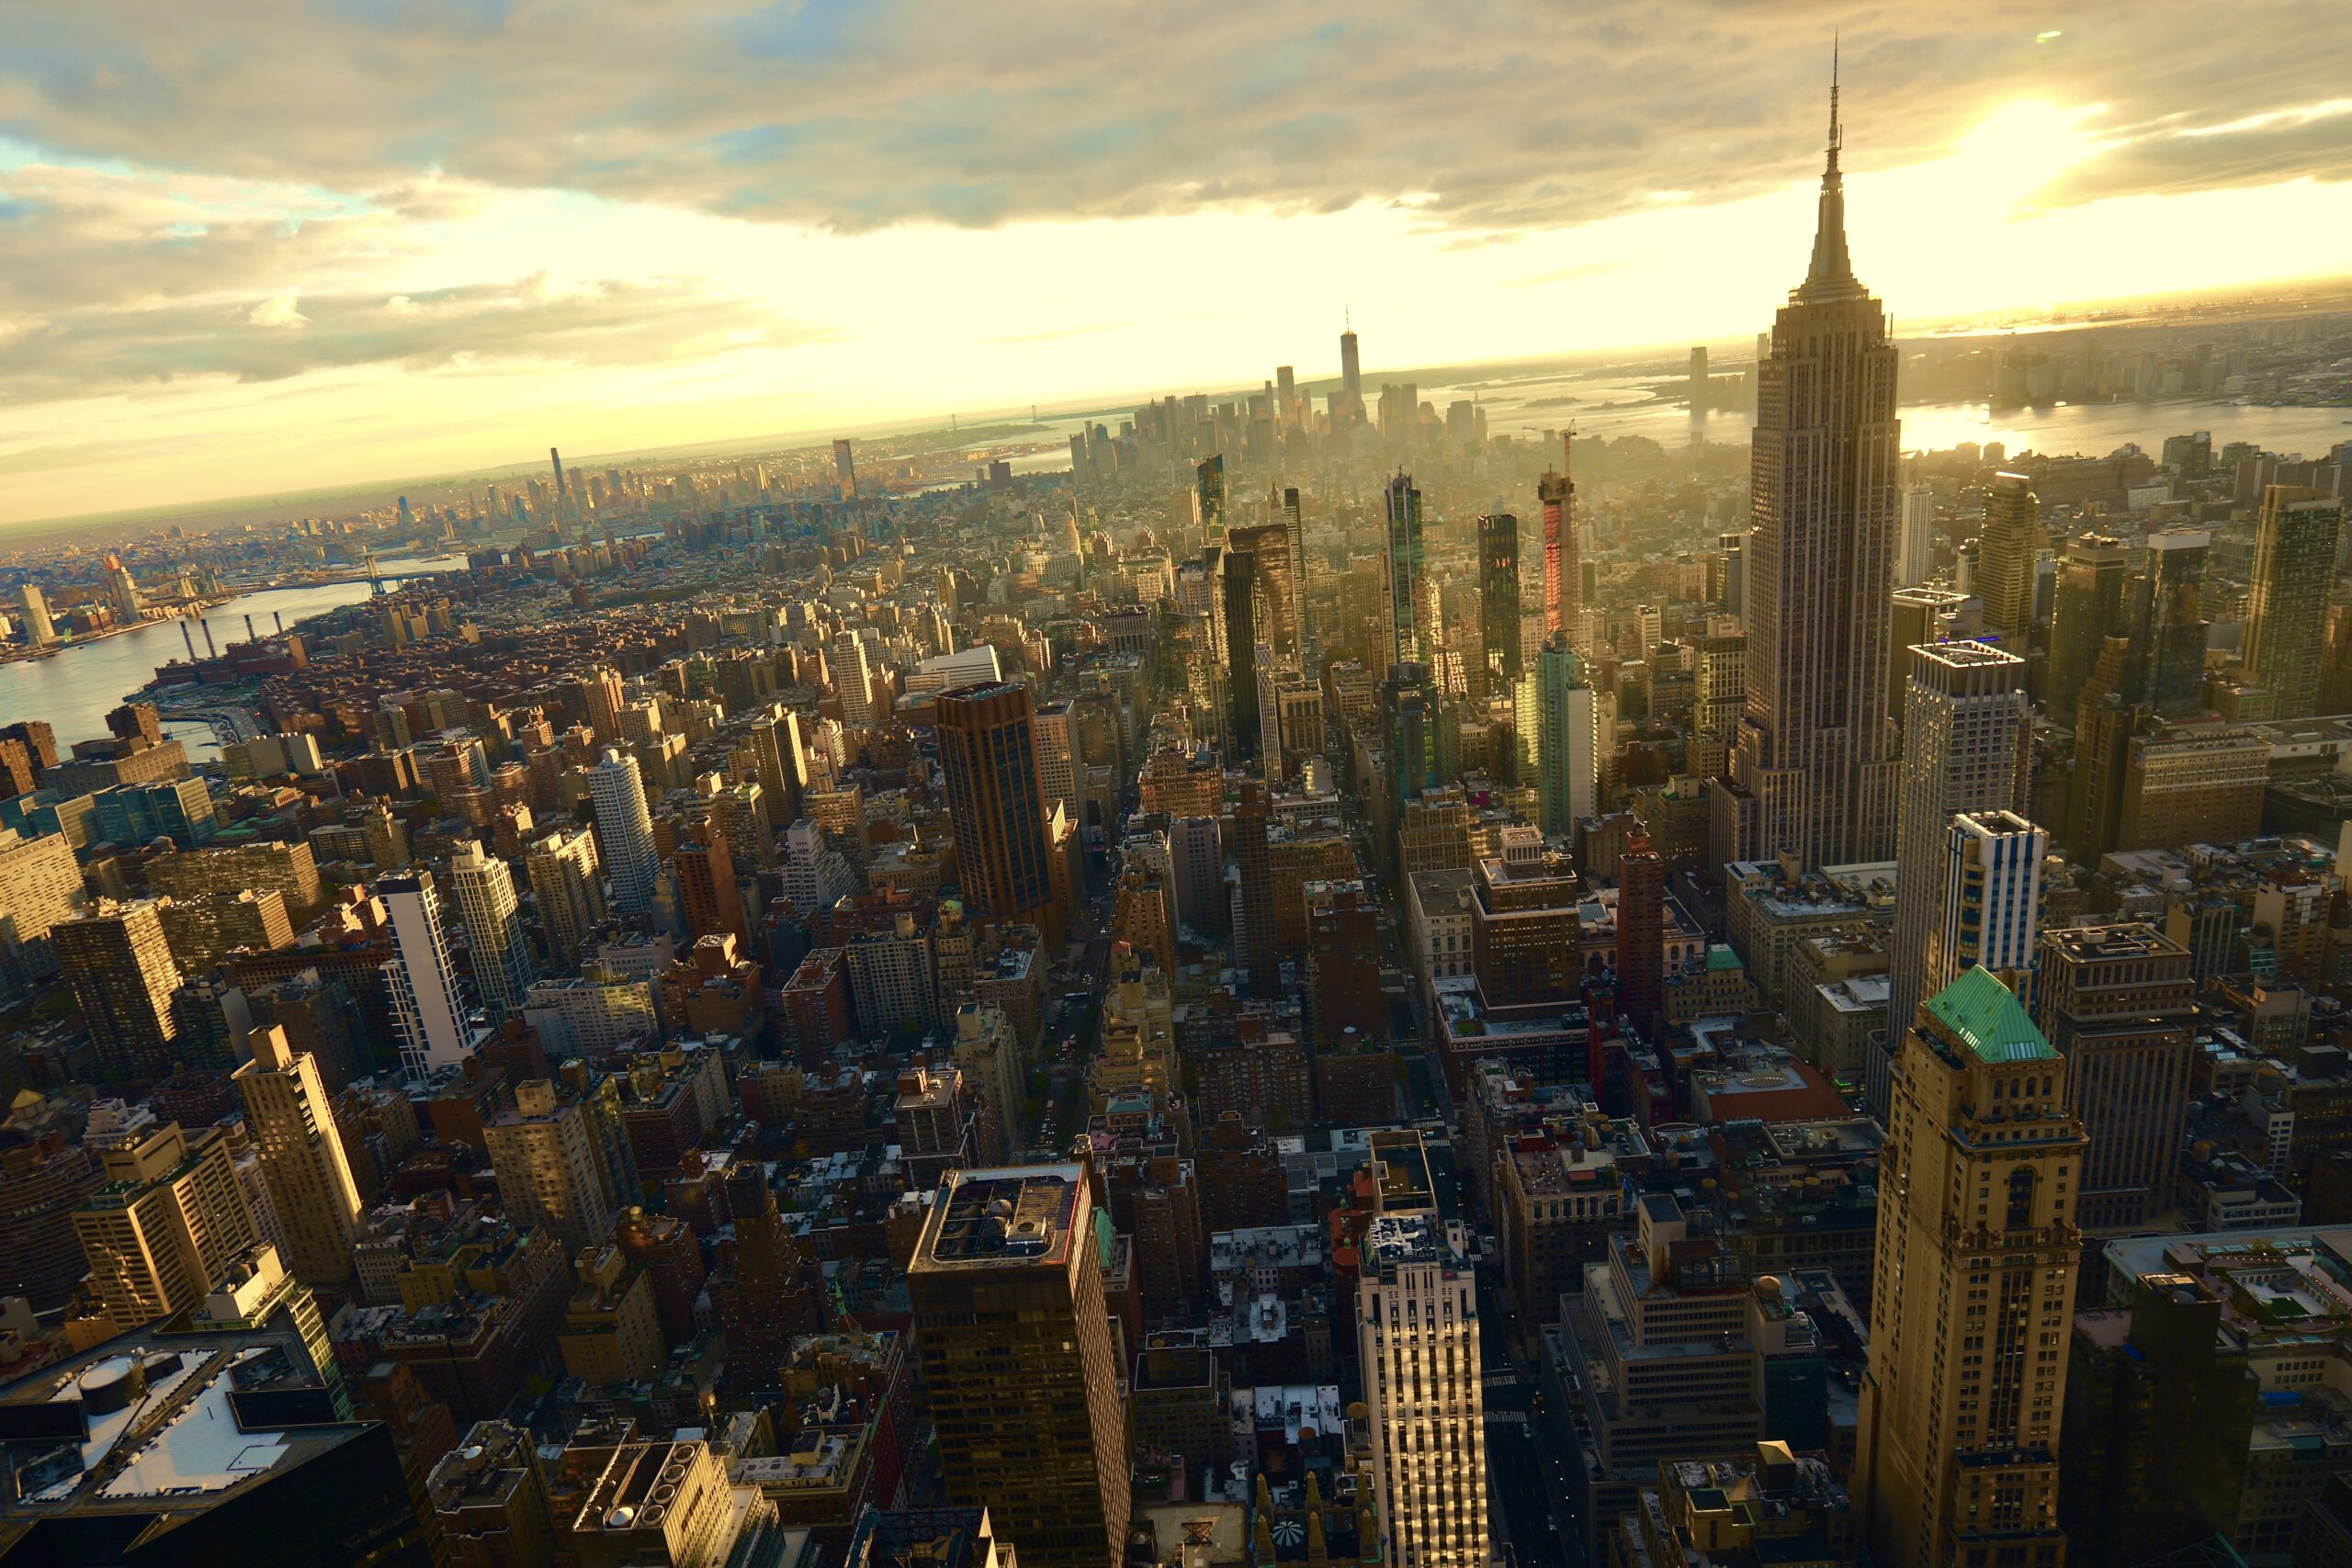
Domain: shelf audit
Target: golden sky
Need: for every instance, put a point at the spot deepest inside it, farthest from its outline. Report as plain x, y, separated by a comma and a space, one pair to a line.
277, 244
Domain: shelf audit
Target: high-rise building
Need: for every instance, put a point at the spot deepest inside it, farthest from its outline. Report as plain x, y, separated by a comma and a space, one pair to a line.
1208, 493
1973, 1289
1351, 381
2119, 1003
1253, 862
1408, 713
1562, 585
1813, 774
707, 896
118, 962
167, 1226
1641, 936
1237, 573
1965, 732
1273, 618
1498, 613
2285, 608
2007, 548
844, 468
1294, 591
40, 630
2087, 609
1915, 546
1417, 1334
1006, 1286
547, 1172
568, 886
1061, 757
293, 1122
487, 908
853, 678
436, 1029
1992, 900
625, 829
987, 748
40, 884
123, 593
2169, 626
1556, 711
1404, 565
602, 697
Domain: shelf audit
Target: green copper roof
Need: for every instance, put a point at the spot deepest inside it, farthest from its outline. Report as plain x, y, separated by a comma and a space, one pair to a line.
1986, 1015
1720, 957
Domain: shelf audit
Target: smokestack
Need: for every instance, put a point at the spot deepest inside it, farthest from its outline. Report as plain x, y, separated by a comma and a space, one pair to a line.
251, 635
188, 637
210, 651
279, 616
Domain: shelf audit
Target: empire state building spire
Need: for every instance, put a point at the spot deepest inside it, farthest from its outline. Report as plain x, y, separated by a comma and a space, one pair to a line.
1831, 275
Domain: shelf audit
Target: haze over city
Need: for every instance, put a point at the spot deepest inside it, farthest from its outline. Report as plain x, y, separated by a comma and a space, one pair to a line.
868, 786
303, 244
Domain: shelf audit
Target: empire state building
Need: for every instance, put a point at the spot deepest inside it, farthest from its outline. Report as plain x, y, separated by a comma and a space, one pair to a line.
1813, 767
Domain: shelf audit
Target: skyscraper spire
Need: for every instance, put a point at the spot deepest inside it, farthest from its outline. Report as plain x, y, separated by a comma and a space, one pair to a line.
1831, 275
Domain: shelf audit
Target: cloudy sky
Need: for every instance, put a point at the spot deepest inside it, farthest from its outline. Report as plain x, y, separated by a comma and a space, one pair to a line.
255, 245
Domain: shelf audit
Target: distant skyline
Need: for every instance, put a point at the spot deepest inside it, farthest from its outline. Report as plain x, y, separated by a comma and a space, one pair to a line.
268, 247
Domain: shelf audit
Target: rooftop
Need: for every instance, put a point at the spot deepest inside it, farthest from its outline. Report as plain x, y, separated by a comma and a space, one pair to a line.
1986, 1016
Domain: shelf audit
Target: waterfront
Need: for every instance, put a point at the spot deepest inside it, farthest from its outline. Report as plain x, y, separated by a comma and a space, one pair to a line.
74, 690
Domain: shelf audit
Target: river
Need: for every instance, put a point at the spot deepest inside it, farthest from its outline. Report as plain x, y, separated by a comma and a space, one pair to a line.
75, 690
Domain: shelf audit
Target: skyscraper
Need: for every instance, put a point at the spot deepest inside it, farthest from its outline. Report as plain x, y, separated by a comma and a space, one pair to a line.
436, 1029
844, 469
1208, 490
1914, 550
1813, 772
1557, 710
1417, 1336
853, 678
1295, 529
1273, 615
1974, 1290
1404, 562
546, 1167
119, 963
1562, 585
123, 593
1253, 862
302, 1163
1966, 730
1992, 900
1007, 1292
2286, 606
1641, 936
2119, 1003
1237, 606
626, 830
1408, 714
1061, 757
167, 1225
1350, 382
484, 889
2006, 550
2087, 609
707, 895
1498, 601
602, 696
38, 629
567, 883
2169, 626
987, 748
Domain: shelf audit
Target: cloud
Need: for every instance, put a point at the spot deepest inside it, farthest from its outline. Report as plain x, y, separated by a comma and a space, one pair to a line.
649, 322
110, 280
854, 114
